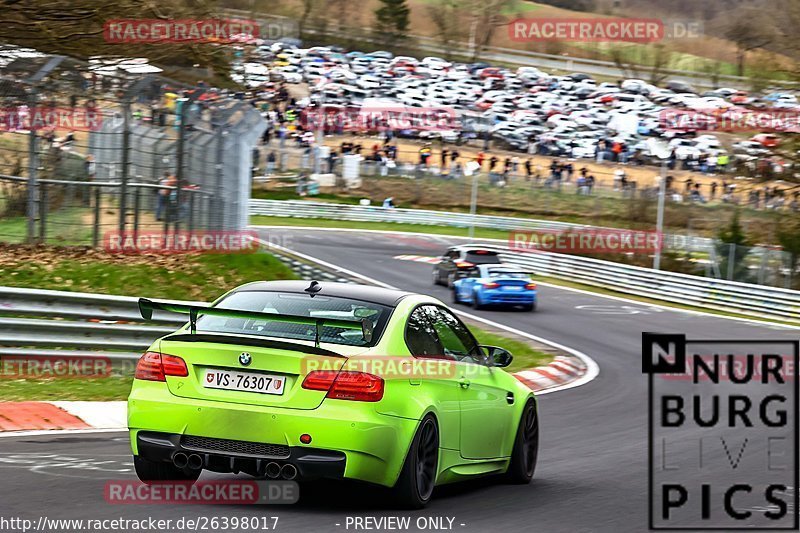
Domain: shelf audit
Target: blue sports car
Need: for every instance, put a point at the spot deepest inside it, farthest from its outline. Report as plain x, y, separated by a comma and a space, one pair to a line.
485, 285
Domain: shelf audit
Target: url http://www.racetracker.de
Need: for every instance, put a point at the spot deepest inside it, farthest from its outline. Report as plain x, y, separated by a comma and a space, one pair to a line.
199, 523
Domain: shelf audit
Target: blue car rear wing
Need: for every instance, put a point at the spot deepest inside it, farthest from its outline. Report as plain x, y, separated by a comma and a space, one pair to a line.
146, 308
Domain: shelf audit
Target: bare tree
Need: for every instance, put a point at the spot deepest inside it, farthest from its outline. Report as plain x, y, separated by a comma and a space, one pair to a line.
486, 18
445, 15
749, 29
75, 28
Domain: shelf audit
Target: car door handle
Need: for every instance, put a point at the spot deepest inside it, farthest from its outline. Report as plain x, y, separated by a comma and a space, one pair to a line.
510, 398
463, 383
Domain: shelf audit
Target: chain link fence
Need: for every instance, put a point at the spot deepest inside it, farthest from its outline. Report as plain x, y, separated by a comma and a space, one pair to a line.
154, 155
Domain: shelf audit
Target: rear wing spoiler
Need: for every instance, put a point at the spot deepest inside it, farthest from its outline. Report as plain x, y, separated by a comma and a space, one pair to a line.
146, 308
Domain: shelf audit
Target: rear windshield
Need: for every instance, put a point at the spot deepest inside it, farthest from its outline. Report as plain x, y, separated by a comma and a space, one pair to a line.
508, 274
482, 257
298, 305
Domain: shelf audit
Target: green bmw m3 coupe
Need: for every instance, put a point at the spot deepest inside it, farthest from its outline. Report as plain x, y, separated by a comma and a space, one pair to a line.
291, 380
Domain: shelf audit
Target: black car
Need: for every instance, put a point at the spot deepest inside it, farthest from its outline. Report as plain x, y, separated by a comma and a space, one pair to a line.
458, 260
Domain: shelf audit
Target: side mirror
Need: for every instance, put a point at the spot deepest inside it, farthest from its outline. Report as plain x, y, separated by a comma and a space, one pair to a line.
499, 356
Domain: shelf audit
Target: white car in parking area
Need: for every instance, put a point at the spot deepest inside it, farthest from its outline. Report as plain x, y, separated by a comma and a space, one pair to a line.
561, 122
291, 74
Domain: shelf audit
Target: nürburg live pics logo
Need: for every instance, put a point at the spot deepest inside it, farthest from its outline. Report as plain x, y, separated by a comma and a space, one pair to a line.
723, 433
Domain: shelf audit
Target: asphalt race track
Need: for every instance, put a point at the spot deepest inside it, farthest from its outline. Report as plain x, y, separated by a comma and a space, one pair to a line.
592, 473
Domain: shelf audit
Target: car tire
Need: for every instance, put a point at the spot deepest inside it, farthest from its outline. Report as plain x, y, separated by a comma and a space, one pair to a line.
456, 299
153, 472
436, 279
451, 278
476, 301
529, 307
415, 484
526, 447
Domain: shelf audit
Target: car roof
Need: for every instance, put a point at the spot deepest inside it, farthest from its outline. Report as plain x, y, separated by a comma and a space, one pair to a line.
367, 293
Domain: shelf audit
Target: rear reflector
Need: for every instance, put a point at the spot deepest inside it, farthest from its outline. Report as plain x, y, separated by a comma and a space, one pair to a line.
153, 366
346, 385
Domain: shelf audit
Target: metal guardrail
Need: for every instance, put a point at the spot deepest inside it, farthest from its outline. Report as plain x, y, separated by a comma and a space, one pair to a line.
721, 295
63, 324
304, 209
708, 293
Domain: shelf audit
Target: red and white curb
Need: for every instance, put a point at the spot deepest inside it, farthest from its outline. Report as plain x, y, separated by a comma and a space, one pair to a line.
561, 371
16, 417
418, 258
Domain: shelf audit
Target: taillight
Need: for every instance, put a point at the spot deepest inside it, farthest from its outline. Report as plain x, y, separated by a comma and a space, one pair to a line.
491, 285
319, 380
464, 264
346, 385
174, 366
530, 286
153, 366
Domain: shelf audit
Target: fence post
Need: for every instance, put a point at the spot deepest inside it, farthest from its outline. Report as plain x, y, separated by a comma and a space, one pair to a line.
731, 260
181, 106
136, 210
42, 212
32, 166
191, 212
216, 204
123, 192
96, 231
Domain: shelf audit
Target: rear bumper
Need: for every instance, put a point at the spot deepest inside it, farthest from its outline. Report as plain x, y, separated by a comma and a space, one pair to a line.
373, 445
508, 297
311, 463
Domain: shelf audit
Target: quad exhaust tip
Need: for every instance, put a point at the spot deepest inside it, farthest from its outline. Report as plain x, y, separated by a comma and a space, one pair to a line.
288, 471
180, 460
195, 462
273, 470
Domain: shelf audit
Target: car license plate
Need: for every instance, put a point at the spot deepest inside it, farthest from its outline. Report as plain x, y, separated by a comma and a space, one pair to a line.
243, 381
512, 288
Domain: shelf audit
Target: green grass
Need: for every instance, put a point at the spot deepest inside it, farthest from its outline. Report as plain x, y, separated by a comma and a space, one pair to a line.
525, 355
64, 389
64, 227
193, 277
290, 194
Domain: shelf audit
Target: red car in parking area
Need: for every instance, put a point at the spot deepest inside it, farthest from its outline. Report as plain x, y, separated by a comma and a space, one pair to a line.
768, 140
491, 72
